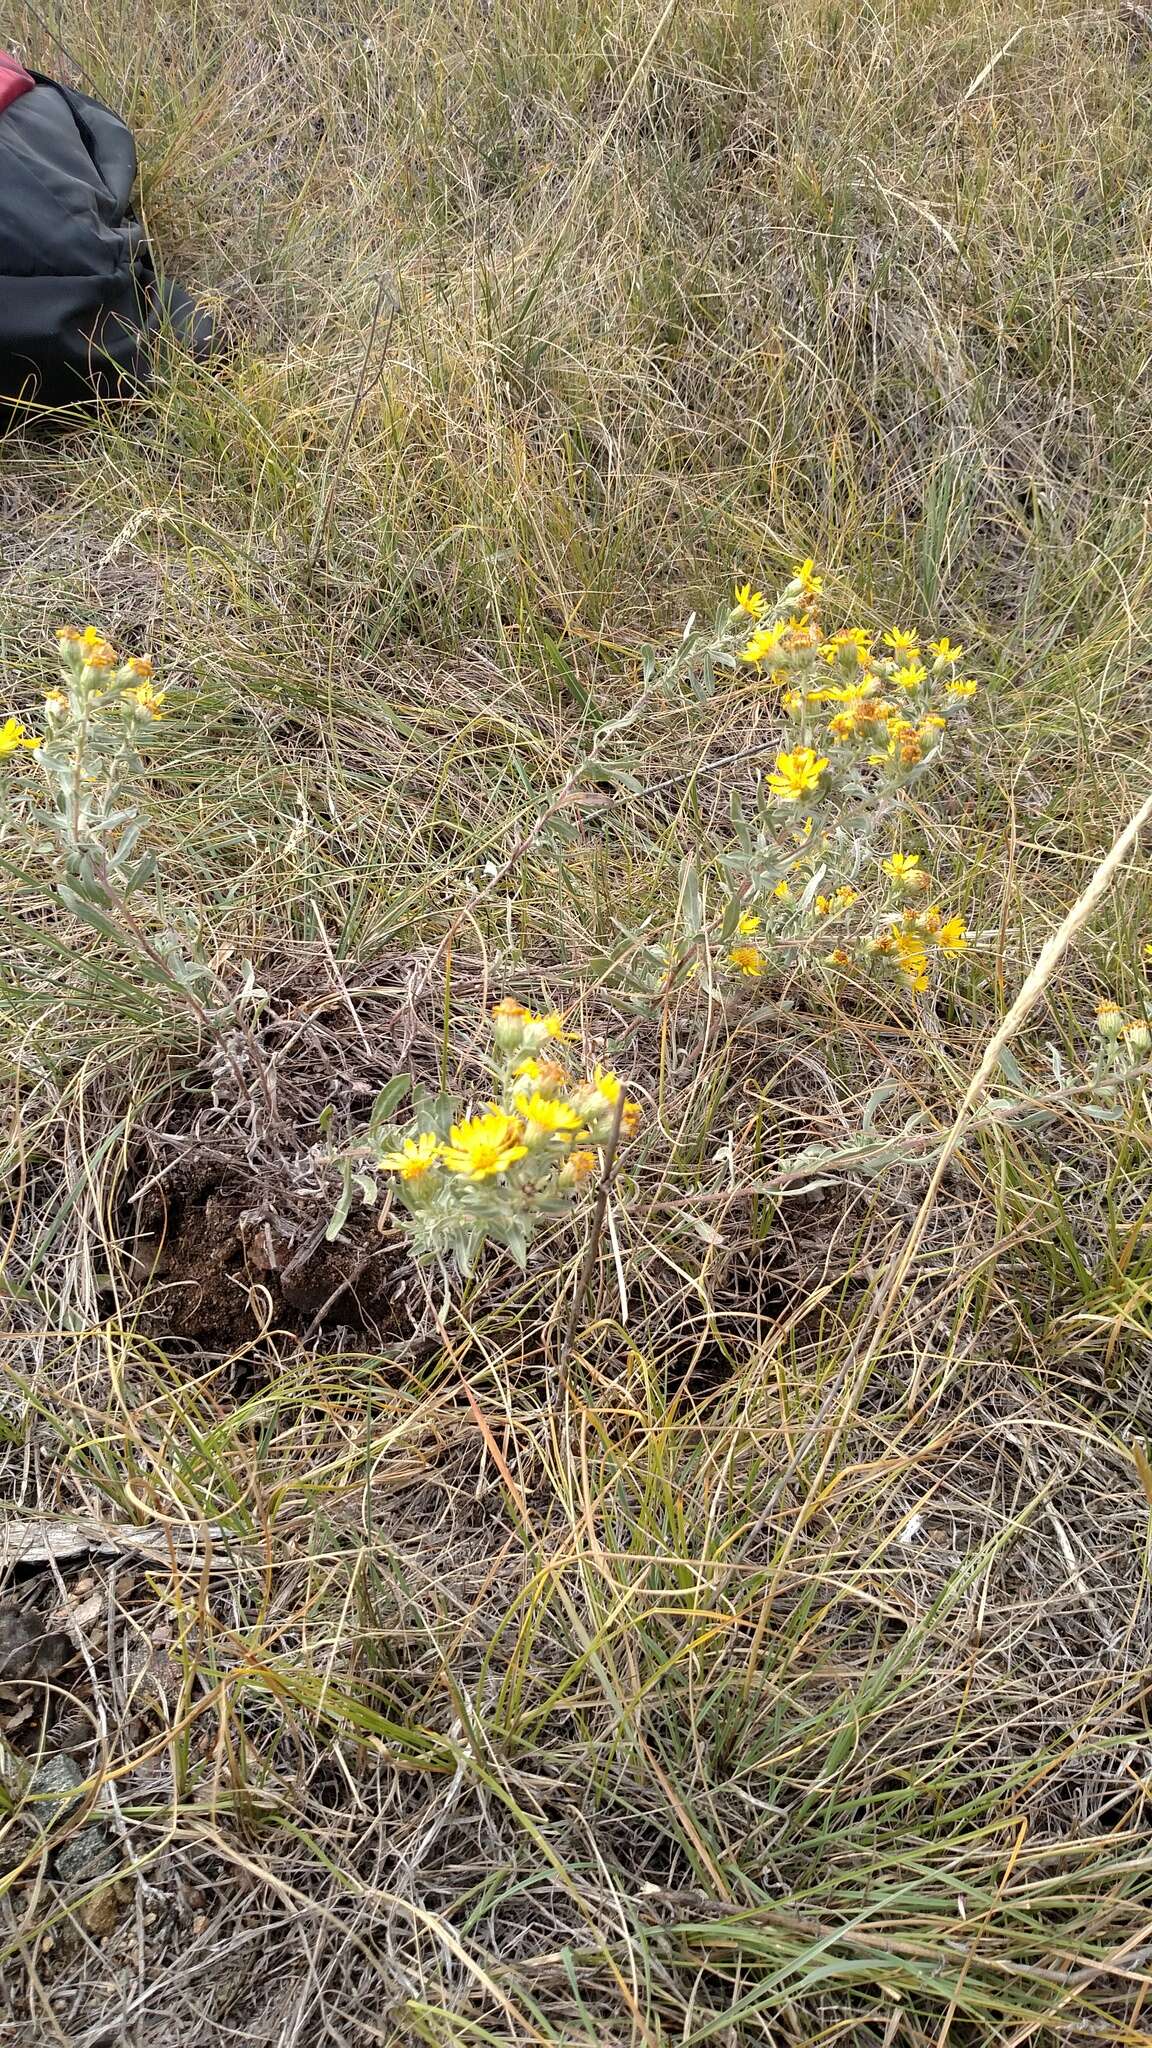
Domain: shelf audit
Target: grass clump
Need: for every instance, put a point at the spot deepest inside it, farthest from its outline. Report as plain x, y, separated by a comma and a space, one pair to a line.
731, 1624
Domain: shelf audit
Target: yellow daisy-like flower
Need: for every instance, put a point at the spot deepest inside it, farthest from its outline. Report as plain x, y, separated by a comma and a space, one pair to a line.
749, 923
810, 583
484, 1145
509, 1007
900, 864
839, 958
911, 958
911, 677
749, 959
945, 650
822, 905
749, 600
845, 897
932, 722
796, 773
792, 700
952, 936
148, 699
843, 727
901, 642
13, 737
546, 1117
765, 640
140, 666
965, 689
416, 1157
783, 894
1138, 1035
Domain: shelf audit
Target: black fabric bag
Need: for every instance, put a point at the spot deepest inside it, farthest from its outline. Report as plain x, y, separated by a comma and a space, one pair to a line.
80, 301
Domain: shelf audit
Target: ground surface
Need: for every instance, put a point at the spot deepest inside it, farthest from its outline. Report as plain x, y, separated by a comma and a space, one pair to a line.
785, 1678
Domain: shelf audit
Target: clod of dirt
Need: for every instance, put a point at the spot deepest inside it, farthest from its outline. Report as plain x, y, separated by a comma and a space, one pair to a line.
233, 1256
28, 1651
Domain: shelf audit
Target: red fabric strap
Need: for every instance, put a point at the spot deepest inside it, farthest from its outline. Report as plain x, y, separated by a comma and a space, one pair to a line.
13, 80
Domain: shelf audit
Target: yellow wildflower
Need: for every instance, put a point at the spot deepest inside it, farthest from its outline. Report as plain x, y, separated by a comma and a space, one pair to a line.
783, 894
932, 722
809, 583
1138, 1035
13, 737
902, 642
965, 689
56, 702
901, 864
792, 700
509, 1007
148, 699
952, 936
945, 650
822, 906
749, 923
844, 897
749, 600
140, 666
854, 638
416, 1157
749, 959
547, 1117
548, 1075
844, 726
796, 773
576, 1168
839, 958
485, 1145
911, 677
765, 640
911, 958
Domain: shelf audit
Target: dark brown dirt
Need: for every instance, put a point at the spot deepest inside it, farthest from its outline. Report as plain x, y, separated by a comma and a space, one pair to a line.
231, 1259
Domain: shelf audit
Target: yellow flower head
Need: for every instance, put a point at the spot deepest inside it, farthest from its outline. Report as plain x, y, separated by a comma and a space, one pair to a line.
509, 1007
545, 1117
485, 1145
853, 639
148, 699
416, 1157
822, 905
809, 583
548, 1075
911, 677
839, 958
900, 864
945, 650
749, 960
901, 642
764, 641
796, 773
1138, 1035
932, 722
952, 936
911, 958
13, 737
792, 700
749, 600
844, 727
140, 666
749, 923
844, 897
56, 702
965, 689
782, 892
576, 1168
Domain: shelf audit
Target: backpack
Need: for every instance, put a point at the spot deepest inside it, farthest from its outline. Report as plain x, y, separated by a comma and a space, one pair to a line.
80, 301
